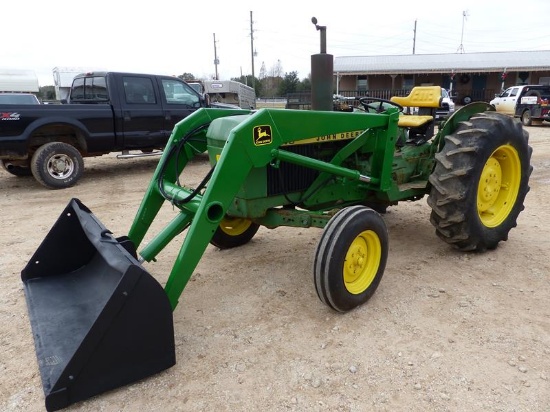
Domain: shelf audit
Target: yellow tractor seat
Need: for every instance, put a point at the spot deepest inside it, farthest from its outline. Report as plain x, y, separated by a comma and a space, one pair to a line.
421, 96
420, 127
413, 121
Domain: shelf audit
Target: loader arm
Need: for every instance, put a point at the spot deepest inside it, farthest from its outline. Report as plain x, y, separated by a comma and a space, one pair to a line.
171, 165
255, 142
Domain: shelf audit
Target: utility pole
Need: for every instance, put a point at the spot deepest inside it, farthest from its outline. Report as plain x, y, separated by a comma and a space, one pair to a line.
252, 49
414, 37
216, 60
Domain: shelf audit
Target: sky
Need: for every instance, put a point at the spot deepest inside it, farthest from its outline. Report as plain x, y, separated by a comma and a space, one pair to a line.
175, 37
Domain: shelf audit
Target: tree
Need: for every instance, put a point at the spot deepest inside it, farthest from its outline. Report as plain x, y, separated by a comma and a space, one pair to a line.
263, 72
188, 77
46, 93
304, 85
289, 84
277, 69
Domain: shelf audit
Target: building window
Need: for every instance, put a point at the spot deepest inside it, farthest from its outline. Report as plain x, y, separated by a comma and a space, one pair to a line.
523, 78
408, 81
362, 83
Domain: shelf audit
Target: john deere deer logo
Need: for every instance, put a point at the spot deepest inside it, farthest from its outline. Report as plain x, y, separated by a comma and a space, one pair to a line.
262, 135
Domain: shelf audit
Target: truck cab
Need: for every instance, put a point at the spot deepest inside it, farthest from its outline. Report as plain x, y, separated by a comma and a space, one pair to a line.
148, 106
506, 101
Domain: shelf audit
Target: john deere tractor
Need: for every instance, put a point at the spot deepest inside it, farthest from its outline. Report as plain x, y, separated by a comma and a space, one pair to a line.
100, 320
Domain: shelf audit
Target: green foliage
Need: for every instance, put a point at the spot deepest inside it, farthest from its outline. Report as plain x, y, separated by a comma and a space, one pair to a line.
304, 85
46, 93
267, 86
276, 86
187, 77
270, 85
289, 84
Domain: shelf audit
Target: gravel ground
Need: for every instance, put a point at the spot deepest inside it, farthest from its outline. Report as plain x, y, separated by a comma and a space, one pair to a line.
445, 331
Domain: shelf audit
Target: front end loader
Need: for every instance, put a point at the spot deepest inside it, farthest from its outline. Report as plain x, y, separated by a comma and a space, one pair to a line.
100, 320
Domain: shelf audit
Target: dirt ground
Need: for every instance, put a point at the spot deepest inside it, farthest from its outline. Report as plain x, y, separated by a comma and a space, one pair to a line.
445, 331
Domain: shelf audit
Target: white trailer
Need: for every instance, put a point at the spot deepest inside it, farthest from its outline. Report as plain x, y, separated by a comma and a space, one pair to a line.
232, 92
63, 79
18, 81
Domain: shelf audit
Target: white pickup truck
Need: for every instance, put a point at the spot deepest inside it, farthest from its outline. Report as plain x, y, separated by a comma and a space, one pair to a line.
527, 102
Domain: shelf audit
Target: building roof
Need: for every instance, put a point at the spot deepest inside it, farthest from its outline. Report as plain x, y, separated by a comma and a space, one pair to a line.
444, 63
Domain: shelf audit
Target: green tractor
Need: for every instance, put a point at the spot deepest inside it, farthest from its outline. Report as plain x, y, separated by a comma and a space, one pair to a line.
100, 320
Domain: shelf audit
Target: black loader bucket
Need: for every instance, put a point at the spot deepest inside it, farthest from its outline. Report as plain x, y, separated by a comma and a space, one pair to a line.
98, 318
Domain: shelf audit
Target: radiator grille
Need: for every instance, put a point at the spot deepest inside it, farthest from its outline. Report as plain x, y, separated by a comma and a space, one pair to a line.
294, 178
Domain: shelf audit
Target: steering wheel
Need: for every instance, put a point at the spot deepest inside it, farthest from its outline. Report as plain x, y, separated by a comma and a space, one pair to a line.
379, 107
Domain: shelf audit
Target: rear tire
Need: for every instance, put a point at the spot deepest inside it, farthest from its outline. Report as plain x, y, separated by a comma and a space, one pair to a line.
480, 181
526, 118
233, 232
16, 170
57, 165
350, 258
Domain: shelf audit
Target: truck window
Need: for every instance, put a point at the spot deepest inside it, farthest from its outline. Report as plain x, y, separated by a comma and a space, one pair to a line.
90, 89
514, 91
18, 98
539, 91
196, 87
177, 92
139, 90
505, 93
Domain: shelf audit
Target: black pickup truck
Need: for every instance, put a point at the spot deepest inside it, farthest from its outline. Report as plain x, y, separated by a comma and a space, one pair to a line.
106, 112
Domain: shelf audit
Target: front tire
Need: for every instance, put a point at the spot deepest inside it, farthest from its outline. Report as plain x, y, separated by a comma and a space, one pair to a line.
480, 181
350, 258
233, 232
57, 165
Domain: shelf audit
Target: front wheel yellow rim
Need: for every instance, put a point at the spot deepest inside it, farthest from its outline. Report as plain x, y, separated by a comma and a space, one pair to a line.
234, 226
362, 262
499, 185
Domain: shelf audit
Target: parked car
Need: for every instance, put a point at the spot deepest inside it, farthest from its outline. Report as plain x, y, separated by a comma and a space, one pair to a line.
18, 98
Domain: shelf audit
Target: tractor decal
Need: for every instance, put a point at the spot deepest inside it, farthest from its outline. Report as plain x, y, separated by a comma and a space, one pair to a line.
262, 135
328, 138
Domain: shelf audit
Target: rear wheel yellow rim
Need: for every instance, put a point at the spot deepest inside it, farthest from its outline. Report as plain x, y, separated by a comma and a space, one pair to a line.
234, 226
362, 262
499, 185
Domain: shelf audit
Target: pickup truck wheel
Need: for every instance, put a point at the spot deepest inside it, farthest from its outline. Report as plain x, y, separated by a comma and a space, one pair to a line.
19, 171
57, 165
480, 181
526, 118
